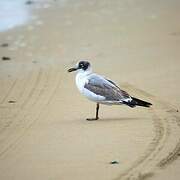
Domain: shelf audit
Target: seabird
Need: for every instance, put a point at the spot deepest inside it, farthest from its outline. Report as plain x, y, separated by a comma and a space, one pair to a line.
102, 90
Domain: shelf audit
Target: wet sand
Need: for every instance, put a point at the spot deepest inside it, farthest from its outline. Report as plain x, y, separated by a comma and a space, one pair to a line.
43, 131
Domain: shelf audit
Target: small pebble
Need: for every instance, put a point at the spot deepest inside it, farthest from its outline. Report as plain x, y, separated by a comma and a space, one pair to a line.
5, 58
4, 45
177, 110
11, 101
114, 162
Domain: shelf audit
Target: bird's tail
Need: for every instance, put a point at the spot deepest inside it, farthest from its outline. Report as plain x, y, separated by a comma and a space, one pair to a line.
137, 102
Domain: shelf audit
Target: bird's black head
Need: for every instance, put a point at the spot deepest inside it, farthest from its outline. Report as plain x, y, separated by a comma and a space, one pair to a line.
84, 65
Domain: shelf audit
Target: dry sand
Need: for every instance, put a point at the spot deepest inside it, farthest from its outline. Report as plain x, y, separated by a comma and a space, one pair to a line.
43, 131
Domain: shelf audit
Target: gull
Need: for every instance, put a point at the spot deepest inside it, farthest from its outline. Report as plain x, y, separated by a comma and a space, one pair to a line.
102, 90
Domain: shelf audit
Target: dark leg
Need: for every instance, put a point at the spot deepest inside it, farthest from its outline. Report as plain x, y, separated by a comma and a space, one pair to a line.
97, 111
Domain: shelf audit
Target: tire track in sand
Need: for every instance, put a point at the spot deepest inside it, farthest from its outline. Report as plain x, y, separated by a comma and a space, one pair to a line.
163, 149
173, 155
165, 121
41, 93
9, 91
17, 92
12, 132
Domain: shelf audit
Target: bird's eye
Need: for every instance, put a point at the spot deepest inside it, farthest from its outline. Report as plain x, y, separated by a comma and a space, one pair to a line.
81, 65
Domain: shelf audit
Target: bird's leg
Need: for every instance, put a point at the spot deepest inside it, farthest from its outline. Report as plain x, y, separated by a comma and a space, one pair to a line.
97, 111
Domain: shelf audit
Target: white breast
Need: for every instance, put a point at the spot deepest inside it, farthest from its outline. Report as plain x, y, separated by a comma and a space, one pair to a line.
81, 80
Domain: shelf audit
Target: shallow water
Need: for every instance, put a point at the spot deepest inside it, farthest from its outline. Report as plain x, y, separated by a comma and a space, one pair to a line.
12, 14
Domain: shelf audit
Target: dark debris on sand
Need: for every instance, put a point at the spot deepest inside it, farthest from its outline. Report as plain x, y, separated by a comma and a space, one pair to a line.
11, 101
4, 45
6, 58
114, 162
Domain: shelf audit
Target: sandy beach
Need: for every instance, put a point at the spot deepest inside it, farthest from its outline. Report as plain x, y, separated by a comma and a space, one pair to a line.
44, 134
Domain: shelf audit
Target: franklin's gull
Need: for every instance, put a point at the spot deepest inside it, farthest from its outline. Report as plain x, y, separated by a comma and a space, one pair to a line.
102, 90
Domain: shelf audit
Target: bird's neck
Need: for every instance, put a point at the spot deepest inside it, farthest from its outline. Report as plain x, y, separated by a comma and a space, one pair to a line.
81, 79
82, 73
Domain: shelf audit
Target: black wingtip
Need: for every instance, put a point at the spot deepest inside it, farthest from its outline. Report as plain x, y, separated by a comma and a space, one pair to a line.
130, 104
137, 102
140, 102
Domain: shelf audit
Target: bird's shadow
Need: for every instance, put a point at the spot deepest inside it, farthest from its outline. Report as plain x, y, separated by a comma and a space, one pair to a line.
119, 119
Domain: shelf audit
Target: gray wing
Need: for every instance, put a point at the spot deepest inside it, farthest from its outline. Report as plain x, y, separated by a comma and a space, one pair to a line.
106, 88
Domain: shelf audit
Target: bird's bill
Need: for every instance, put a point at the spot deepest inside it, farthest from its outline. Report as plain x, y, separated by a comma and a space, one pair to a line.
72, 69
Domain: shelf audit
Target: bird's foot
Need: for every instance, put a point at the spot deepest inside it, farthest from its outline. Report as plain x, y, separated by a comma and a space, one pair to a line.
92, 119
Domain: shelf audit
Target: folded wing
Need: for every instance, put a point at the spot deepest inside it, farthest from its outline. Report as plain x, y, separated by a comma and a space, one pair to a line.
106, 88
